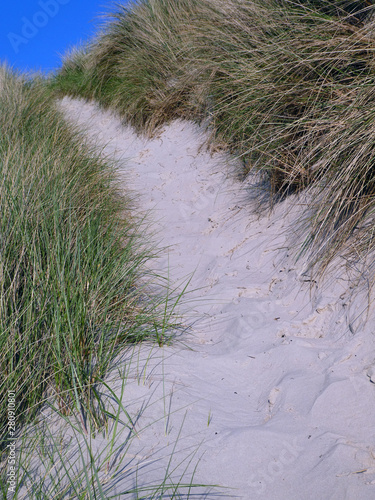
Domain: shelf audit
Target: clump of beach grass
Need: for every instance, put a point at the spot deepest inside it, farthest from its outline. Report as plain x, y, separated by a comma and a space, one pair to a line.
136, 65
71, 260
284, 85
75, 294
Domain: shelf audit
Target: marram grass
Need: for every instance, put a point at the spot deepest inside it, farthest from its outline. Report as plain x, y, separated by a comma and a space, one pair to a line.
285, 85
71, 261
75, 294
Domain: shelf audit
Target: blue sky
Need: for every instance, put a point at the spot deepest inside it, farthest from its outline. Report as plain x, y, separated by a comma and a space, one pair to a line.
34, 32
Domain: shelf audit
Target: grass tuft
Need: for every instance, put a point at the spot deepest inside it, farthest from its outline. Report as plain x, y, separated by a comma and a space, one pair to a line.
71, 260
285, 85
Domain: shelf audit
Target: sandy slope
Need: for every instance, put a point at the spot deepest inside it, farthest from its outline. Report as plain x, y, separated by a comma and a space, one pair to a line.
272, 380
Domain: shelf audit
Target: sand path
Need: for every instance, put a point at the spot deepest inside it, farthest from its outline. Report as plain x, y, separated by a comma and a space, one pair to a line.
272, 381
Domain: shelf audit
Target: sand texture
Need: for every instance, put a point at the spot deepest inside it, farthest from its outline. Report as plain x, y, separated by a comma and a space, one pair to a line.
272, 378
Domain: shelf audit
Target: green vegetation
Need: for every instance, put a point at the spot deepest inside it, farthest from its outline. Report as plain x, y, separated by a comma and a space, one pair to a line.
285, 85
68, 260
74, 293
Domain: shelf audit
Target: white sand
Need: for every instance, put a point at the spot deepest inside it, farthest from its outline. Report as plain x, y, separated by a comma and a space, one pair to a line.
271, 381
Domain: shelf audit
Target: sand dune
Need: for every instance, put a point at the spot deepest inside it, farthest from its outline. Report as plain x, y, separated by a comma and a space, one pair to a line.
274, 375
